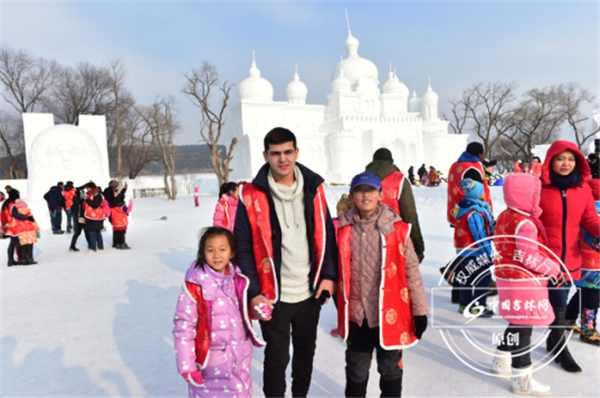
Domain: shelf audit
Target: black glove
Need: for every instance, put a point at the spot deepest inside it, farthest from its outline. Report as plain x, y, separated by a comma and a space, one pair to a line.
420, 325
30, 218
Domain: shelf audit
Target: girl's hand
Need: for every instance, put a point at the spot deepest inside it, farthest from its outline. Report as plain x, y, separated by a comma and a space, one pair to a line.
261, 308
194, 378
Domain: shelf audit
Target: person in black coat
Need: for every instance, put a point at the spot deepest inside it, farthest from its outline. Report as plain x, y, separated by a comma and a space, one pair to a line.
422, 171
56, 202
411, 175
78, 216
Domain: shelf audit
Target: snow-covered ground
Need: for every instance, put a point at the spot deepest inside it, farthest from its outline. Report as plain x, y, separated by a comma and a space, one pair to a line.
100, 325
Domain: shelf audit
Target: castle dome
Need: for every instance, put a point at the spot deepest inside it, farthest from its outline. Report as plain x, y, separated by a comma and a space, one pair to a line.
255, 87
296, 90
354, 66
341, 83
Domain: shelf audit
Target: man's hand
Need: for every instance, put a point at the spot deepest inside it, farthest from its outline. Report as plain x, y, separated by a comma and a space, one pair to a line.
255, 304
421, 257
325, 285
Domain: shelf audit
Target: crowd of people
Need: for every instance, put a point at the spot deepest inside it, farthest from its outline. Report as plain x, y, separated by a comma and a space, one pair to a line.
275, 254
86, 207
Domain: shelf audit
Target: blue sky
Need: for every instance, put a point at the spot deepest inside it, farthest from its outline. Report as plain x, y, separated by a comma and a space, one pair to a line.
535, 44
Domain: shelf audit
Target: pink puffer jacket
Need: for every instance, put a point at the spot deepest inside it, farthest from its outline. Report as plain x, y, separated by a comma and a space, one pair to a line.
226, 369
525, 301
225, 212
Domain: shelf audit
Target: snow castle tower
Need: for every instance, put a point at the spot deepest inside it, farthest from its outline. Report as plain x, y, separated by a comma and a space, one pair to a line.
337, 140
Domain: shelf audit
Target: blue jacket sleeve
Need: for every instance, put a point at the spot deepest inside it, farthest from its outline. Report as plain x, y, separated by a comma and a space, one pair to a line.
588, 238
242, 232
330, 261
477, 228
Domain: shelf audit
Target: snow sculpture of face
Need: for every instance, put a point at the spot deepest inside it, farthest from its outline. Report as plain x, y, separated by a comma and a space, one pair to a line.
62, 153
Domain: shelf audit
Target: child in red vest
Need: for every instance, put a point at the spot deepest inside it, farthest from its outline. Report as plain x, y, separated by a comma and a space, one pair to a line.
523, 267
381, 300
474, 223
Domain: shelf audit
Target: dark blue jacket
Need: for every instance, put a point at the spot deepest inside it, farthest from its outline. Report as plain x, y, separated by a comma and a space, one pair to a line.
243, 234
55, 198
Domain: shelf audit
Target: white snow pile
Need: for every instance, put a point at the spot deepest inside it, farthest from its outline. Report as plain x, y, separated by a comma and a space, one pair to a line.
100, 325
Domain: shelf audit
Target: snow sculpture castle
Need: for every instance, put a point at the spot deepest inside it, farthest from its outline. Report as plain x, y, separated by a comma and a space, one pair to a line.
338, 140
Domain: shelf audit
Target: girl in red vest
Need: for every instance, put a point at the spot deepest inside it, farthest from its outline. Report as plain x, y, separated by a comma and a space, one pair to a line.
381, 299
568, 206
523, 270
227, 206
213, 329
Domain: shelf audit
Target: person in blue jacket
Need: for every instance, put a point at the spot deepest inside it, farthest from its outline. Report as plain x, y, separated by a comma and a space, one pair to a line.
56, 202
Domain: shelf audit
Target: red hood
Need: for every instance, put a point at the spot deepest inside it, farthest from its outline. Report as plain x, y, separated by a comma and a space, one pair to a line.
560, 146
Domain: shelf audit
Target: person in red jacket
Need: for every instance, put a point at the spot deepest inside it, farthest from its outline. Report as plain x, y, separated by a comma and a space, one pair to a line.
68, 194
568, 205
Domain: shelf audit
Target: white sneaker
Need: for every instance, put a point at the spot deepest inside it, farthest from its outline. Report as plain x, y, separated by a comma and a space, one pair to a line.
91, 252
99, 250
523, 383
501, 363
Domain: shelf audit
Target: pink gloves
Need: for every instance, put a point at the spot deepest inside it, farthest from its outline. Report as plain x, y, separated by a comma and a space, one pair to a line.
194, 378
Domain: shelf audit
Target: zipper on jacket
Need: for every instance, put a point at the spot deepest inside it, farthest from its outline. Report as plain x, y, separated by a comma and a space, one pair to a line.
564, 226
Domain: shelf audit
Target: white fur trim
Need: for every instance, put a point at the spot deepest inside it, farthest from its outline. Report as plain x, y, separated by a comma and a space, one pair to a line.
187, 292
519, 211
247, 320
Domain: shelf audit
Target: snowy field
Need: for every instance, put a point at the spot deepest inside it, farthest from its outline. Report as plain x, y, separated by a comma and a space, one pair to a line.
81, 326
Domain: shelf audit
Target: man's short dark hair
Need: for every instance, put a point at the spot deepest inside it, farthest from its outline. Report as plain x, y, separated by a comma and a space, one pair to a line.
475, 149
279, 135
60, 183
383, 154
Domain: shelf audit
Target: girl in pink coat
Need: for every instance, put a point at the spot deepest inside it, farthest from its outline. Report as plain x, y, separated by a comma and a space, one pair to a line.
227, 206
523, 267
213, 331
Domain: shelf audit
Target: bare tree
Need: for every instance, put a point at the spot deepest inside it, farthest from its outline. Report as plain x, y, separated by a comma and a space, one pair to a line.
139, 146
122, 103
573, 98
25, 79
535, 120
161, 119
199, 86
11, 136
83, 90
482, 111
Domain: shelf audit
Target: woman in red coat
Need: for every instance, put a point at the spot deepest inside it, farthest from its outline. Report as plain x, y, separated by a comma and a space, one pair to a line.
567, 205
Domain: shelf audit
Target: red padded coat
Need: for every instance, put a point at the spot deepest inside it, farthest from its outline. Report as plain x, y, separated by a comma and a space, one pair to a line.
565, 212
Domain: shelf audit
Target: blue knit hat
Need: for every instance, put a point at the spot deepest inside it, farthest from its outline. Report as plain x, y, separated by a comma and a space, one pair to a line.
471, 188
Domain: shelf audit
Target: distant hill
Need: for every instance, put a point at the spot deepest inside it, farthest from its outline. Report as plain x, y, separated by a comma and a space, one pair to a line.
191, 159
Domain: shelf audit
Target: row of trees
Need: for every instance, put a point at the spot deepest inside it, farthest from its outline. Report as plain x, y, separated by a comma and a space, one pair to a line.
136, 134
510, 124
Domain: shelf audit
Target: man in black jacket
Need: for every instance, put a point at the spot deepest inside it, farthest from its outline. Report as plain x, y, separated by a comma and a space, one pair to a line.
56, 202
291, 262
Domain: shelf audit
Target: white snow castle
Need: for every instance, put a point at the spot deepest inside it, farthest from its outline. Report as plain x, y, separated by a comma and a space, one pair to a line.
338, 140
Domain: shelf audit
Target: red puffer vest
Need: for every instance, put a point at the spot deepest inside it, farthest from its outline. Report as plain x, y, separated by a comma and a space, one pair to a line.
69, 197
565, 212
508, 265
257, 206
455, 195
8, 220
392, 189
396, 325
463, 237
